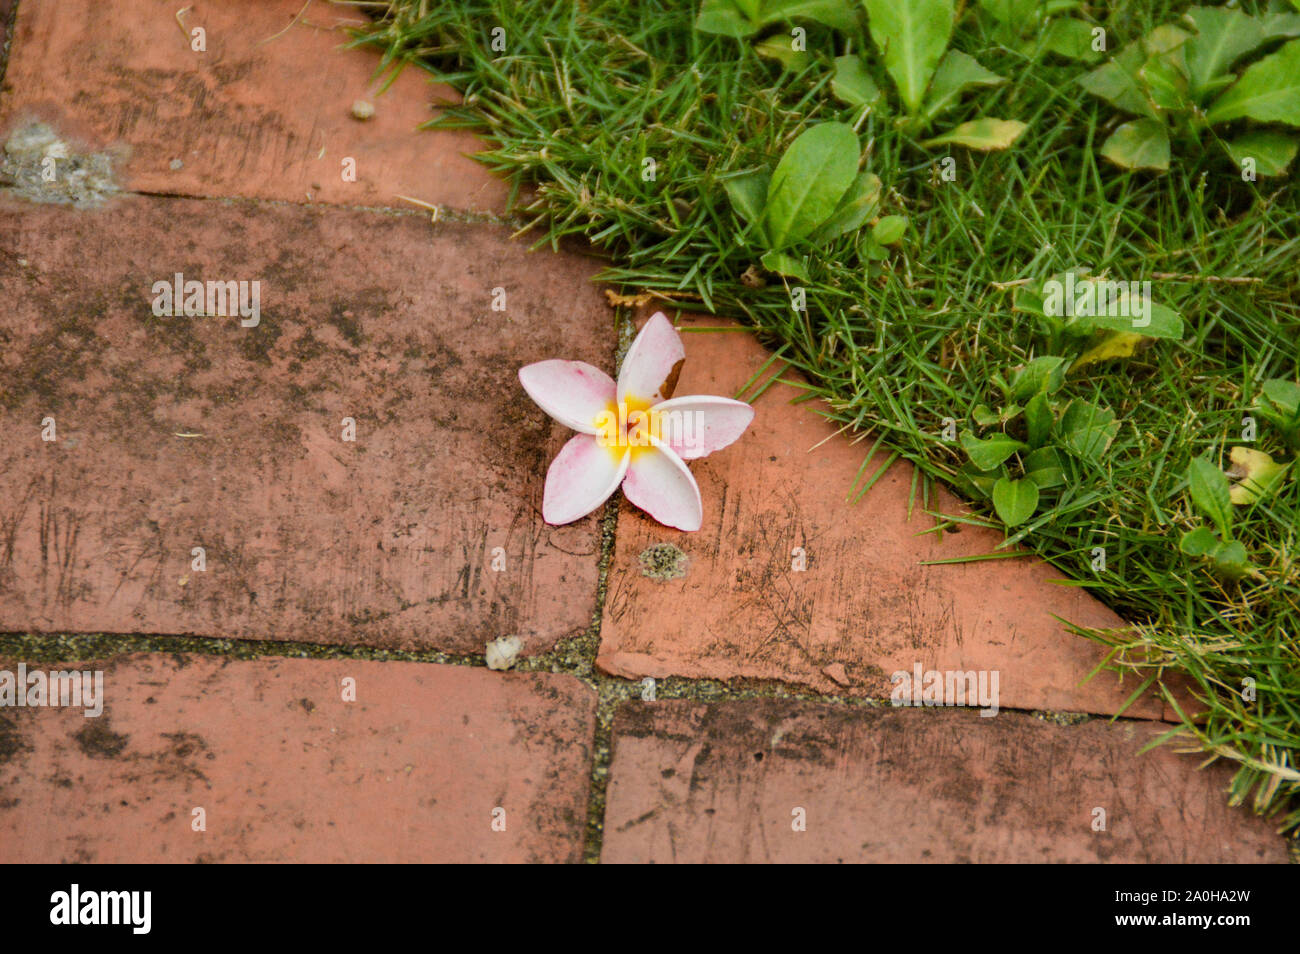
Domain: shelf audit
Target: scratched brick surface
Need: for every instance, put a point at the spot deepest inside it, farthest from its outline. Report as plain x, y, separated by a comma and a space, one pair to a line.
864, 607
178, 433
285, 770
261, 113
720, 783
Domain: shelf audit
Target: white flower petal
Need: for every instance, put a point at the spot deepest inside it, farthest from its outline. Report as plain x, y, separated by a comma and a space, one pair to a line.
653, 362
696, 425
580, 479
572, 392
661, 485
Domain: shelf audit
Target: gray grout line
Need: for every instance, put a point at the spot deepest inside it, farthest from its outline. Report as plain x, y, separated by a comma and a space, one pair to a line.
445, 213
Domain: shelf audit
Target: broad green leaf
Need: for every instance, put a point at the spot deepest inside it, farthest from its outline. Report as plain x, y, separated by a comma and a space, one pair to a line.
780, 47
786, 265
1230, 559
1071, 38
1211, 494
852, 83
956, 73
985, 416
1041, 375
1272, 152
1116, 81
1140, 144
1198, 542
1158, 322
1087, 430
1165, 78
1277, 23
809, 182
1039, 420
836, 14
870, 249
979, 481
889, 230
991, 451
1223, 36
1044, 467
1017, 14
911, 37
1283, 394
1119, 344
748, 193
1279, 403
1268, 91
1093, 303
1015, 500
1164, 39
858, 205
1256, 474
724, 17
983, 134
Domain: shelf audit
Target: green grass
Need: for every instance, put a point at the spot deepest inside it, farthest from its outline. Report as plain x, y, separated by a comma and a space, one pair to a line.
584, 92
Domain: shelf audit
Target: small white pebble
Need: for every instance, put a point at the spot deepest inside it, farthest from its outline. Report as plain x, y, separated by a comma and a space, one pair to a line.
175, 164
503, 651
362, 110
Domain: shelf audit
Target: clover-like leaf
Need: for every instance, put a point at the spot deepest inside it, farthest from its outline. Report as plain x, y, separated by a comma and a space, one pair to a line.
990, 452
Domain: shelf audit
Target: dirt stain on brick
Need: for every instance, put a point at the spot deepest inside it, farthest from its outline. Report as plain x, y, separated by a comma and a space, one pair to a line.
12, 742
99, 741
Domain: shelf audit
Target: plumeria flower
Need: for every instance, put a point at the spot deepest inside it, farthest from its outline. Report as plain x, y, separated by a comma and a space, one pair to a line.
633, 433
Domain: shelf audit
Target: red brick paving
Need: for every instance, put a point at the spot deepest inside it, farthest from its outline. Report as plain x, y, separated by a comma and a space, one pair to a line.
388, 540
286, 771
722, 783
864, 607
252, 116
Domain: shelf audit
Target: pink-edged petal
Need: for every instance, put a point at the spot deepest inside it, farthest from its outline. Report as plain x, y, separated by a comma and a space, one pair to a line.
580, 479
572, 392
661, 484
653, 362
696, 425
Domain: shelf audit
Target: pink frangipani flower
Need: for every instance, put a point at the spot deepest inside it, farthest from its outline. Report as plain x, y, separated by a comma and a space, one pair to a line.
633, 432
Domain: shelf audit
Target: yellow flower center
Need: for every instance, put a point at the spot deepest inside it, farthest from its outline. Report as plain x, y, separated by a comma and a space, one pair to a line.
626, 427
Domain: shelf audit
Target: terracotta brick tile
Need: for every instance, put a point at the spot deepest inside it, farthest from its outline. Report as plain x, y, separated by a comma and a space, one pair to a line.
725, 782
864, 607
260, 113
285, 770
178, 433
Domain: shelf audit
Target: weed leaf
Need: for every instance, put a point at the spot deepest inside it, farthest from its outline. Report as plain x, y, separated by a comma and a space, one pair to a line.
1268, 91
983, 134
912, 37
1211, 494
1141, 144
809, 182
1015, 500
